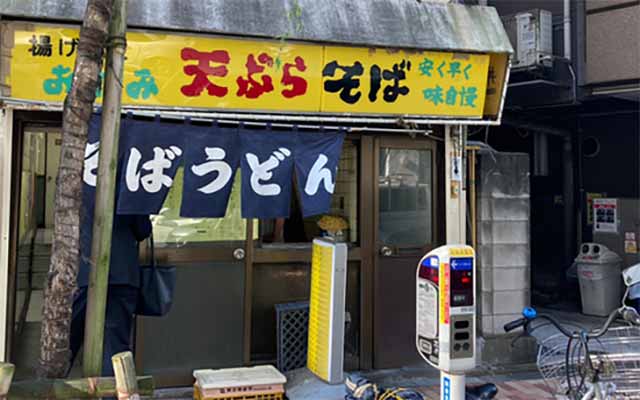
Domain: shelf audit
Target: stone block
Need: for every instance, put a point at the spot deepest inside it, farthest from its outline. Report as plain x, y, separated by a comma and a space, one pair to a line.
486, 324
503, 255
503, 209
517, 278
510, 301
486, 303
485, 278
503, 175
503, 232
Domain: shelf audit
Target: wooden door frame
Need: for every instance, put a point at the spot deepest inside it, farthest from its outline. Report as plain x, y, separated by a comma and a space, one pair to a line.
409, 144
369, 216
367, 243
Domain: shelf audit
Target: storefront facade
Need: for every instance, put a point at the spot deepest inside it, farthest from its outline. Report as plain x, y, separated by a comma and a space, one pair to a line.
402, 98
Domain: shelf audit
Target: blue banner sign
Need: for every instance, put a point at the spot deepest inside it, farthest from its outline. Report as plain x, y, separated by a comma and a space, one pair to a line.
267, 172
152, 151
316, 161
213, 160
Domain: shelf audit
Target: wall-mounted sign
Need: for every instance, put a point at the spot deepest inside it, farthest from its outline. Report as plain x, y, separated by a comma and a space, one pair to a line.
222, 73
605, 213
590, 197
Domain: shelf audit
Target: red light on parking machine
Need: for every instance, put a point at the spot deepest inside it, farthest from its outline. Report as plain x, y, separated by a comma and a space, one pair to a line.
429, 269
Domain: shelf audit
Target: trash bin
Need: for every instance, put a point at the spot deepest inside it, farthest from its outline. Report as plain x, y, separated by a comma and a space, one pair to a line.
600, 277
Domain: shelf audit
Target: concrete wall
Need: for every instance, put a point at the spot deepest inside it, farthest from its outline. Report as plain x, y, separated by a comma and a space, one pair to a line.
615, 169
612, 45
503, 238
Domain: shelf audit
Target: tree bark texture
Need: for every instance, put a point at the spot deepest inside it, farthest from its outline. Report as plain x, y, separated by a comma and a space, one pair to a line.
65, 257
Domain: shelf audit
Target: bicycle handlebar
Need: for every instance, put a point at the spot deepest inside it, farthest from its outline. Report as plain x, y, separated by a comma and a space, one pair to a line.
529, 315
508, 327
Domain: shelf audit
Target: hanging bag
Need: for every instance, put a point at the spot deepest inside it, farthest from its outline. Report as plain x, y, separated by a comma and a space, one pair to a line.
157, 284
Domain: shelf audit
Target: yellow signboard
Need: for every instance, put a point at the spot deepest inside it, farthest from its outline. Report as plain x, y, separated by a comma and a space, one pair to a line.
361, 80
325, 347
496, 80
181, 71
320, 306
222, 73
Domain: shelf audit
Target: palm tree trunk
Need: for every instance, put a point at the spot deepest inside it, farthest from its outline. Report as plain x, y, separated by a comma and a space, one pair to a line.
65, 257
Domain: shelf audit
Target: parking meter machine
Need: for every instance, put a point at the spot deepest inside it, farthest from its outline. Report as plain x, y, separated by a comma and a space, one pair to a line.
446, 314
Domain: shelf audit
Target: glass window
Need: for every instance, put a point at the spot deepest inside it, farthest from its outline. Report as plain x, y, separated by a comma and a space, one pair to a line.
171, 229
344, 205
405, 197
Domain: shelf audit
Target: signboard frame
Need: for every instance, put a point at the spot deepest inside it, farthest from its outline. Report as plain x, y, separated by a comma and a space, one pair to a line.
491, 108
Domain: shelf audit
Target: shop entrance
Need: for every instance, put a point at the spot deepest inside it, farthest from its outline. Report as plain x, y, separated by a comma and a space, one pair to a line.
405, 229
205, 327
231, 271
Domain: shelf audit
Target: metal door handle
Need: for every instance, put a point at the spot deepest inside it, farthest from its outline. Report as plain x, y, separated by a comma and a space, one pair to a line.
238, 254
386, 251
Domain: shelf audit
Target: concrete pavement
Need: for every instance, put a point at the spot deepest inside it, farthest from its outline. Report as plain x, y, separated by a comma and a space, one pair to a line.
520, 383
514, 383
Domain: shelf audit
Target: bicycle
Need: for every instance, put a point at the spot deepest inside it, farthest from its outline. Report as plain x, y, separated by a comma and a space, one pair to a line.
602, 364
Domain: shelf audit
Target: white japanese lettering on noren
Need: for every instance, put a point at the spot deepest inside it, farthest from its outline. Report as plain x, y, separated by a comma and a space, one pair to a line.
262, 172
155, 179
133, 175
215, 155
91, 154
319, 174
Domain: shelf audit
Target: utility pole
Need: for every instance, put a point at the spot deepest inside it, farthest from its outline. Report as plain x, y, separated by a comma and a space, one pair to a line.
105, 193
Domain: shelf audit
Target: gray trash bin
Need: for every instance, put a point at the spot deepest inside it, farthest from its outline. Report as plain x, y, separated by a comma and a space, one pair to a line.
600, 277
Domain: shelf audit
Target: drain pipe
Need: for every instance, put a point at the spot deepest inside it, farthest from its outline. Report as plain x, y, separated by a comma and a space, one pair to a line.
567, 29
568, 167
569, 199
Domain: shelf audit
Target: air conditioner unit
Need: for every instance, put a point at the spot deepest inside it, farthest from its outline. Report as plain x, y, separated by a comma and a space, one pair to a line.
531, 34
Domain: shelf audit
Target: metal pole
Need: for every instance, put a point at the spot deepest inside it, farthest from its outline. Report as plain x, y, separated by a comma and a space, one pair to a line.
452, 386
105, 194
566, 20
472, 195
569, 203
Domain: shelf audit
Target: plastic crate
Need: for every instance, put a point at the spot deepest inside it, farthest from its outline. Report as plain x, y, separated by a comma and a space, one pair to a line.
293, 329
255, 396
262, 382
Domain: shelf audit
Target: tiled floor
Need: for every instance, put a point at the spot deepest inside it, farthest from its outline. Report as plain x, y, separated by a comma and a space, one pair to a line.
516, 390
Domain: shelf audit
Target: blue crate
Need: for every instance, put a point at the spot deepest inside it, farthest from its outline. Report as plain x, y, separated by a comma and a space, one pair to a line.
293, 329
